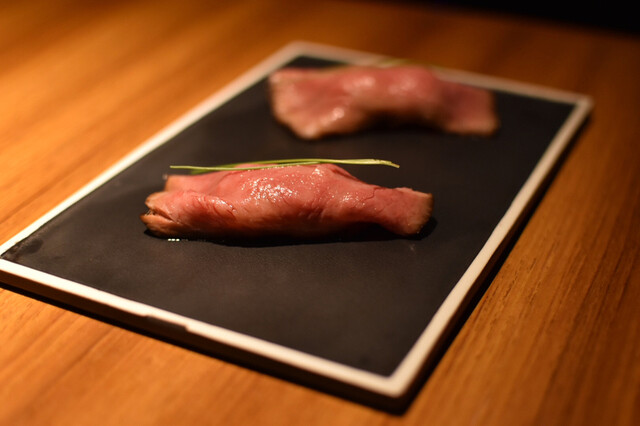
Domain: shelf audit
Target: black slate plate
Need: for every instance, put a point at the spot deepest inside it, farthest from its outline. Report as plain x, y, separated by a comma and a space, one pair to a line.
357, 316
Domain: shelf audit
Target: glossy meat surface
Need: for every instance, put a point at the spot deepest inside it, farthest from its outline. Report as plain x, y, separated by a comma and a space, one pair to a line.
296, 201
318, 102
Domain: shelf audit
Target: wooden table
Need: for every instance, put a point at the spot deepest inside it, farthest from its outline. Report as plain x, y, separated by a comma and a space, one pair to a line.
555, 338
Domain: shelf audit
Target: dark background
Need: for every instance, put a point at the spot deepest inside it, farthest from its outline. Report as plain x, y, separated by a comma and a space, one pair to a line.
613, 15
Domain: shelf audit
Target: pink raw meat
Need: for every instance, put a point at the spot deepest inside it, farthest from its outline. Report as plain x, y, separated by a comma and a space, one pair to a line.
317, 102
295, 201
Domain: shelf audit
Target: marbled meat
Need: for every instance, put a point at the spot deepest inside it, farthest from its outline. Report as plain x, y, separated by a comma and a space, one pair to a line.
315, 103
297, 201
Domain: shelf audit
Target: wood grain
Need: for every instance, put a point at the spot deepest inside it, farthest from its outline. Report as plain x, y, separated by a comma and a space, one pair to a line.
555, 339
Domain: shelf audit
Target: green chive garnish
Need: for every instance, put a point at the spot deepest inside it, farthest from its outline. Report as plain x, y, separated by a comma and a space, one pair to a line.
267, 164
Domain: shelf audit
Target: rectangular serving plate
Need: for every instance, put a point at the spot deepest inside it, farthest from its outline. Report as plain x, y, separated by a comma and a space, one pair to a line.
361, 319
